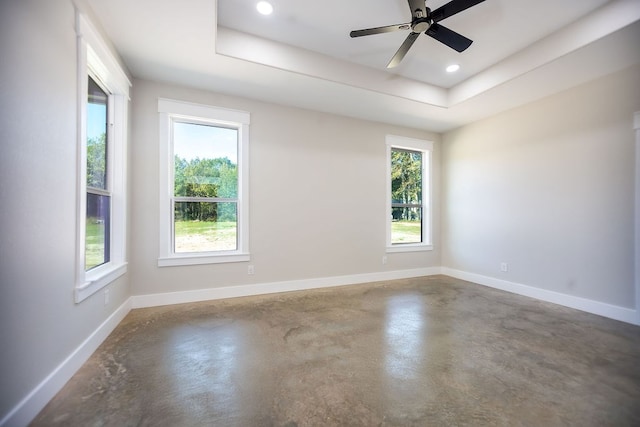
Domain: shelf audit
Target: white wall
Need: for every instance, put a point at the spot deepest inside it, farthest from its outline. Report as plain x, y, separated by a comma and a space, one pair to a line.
317, 196
40, 325
549, 189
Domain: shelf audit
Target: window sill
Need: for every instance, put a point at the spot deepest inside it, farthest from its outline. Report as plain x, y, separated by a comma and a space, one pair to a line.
98, 279
409, 248
190, 259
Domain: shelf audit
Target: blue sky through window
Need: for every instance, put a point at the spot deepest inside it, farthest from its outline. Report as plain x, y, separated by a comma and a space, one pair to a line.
205, 142
96, 120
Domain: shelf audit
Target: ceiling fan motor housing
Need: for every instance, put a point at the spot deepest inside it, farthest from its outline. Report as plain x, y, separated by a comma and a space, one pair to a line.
421, 23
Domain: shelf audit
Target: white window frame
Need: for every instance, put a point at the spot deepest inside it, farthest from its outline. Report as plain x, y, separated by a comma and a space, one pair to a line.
426, 147
96, 59
186, 112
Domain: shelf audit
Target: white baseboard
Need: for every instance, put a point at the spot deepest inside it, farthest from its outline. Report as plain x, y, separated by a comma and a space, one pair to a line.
595, 307
25, 411
153, 300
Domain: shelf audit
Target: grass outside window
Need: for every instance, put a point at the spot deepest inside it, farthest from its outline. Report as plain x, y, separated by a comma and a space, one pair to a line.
406, 231
205, 236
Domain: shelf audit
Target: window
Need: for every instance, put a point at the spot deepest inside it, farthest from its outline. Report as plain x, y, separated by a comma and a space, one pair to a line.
408, 194
98, 214
103, 90
204, 184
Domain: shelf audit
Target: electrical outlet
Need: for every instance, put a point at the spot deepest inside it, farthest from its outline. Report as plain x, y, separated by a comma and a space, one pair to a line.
384, 259
504, 267
251, 269
106, 296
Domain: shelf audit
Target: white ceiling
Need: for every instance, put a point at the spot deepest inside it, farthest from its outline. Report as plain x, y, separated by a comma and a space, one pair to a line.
498, 28
302, 54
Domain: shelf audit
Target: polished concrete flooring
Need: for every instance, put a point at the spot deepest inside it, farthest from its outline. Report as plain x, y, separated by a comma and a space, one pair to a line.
432, 351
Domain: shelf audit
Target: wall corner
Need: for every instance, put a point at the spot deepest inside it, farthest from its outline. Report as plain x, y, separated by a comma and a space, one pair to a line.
636, 127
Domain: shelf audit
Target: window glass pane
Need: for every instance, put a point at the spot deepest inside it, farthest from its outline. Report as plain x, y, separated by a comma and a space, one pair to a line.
406, 225
205, 226
406, 176
205, 161
97, 238
96, 137
97, 225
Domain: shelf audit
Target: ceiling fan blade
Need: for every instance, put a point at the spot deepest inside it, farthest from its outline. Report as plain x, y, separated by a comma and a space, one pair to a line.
380, 30
415, 5
406, 45
451, 8
449, 37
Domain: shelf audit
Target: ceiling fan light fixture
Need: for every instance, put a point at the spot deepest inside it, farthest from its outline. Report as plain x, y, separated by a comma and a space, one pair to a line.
264, 7
453, 68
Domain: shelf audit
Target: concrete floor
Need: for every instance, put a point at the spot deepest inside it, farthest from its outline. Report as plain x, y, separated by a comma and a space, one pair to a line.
429, 351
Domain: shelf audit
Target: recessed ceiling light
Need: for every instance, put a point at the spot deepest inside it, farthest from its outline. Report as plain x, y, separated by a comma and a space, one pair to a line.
453, 68
264, 7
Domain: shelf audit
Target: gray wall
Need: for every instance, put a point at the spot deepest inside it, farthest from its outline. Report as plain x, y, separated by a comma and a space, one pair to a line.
317, 196
549, 189
40, 325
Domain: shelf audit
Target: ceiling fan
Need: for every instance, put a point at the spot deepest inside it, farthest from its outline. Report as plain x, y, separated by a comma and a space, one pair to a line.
423, 19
